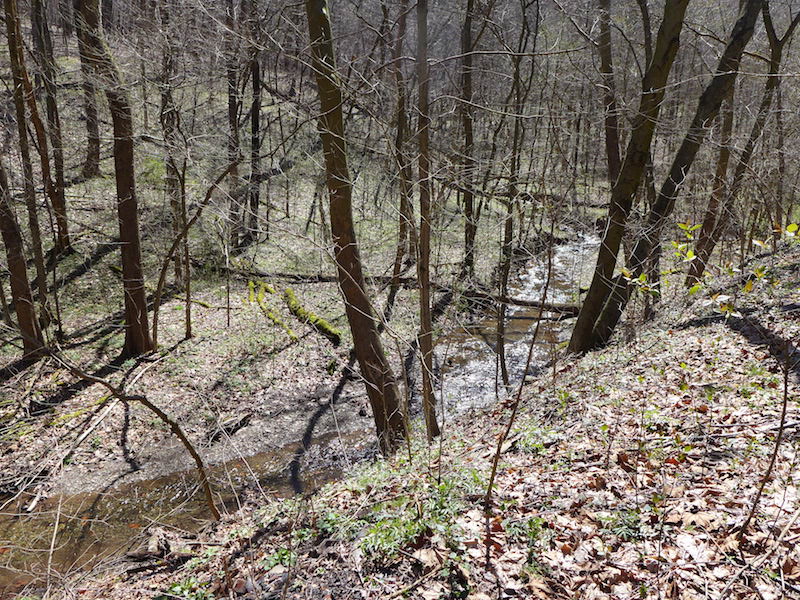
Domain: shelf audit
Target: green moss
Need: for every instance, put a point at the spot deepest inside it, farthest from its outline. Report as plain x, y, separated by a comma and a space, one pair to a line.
306, 316
67, 417
257, 291
14, 430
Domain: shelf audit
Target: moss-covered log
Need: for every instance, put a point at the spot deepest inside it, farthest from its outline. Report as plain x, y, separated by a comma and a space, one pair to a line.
257, 291
306, 316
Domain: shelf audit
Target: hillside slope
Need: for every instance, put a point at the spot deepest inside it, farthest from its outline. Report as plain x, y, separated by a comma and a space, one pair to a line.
628, 474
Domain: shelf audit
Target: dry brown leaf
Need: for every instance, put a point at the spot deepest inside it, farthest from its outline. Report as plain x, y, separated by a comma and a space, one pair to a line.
428, 557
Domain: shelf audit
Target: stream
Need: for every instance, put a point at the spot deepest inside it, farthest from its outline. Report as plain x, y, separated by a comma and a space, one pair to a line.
65, 533
469, 370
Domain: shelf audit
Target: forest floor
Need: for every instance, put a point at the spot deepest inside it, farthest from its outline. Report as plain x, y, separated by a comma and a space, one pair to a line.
627, 474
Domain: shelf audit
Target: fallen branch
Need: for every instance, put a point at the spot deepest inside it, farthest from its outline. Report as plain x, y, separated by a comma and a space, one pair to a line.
760, 560
171, 423
306, 316
566, 309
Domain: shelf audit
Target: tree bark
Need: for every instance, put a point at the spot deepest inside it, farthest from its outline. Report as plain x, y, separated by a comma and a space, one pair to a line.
21, 297
611, 121
137, 331
15, 49
170, 119
381, 386
254, 189
91, 165
424, 256
707, 109
406, 232
468, 160
234, 149
44, 51
717, 193
631, 171
704, 250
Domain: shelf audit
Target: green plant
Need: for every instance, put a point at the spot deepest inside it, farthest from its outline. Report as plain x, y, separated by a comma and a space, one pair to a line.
427, 510
281, 556
334, 524
534, 440
188, 589
204, 558
530, 530
386, 537
625, 524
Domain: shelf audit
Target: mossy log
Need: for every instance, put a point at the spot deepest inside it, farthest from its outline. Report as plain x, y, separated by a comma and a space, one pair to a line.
257, 291
306, 316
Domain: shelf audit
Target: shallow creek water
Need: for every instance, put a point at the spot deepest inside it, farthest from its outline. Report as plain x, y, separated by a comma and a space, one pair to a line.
467, 360
79, 531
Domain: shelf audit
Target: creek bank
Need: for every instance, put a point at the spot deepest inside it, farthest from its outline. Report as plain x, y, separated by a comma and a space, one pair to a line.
627, 474
152, 473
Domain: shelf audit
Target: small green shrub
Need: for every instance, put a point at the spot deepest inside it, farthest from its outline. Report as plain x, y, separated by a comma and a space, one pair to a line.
281, 556
625, 524
188, 589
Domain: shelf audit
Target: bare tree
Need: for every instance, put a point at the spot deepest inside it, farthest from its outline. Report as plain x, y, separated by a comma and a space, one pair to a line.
44, 52
379, 380
137, 331
630, 176
707, 110
91, 164
21, 297
19, 76
717, 216
424, 253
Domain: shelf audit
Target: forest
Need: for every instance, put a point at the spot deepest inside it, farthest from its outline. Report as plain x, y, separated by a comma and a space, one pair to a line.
475, 299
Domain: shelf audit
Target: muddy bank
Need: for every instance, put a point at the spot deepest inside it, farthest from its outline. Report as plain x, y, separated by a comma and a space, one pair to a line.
289, 435
65, 533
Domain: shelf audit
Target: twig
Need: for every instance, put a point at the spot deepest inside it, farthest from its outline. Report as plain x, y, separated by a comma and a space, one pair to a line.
778, 439
403, 591
515, 407
53, 540
165, 266
173, 425
760, 560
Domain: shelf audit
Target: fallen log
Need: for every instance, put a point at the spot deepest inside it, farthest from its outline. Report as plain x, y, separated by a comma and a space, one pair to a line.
565, 309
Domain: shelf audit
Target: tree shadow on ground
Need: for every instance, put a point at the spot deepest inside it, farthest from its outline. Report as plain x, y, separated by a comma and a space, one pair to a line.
785, 351
308, 435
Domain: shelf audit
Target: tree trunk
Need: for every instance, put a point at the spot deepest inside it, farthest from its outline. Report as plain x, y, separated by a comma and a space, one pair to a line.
255, 127
406, 232
137, 331
424, 256
609, 93
15, 49
707, 110
234, 150
777, 225
630, 176
44, 51
91, 165
505, 268
21, 297
169, 118
717, 193
380, 382
468, 160
703, 251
